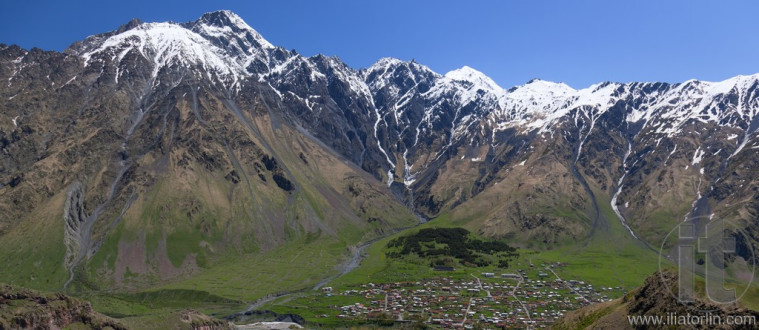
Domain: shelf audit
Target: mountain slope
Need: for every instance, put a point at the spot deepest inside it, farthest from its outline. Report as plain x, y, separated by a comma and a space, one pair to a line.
143, 161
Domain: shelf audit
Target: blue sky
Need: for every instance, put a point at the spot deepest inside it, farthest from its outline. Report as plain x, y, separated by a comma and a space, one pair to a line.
578, 42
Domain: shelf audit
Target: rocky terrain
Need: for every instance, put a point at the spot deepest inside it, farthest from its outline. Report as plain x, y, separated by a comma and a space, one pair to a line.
28, 309
22, 308
657, 297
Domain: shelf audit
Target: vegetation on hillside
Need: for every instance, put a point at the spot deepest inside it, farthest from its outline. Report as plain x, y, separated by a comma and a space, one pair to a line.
451, 246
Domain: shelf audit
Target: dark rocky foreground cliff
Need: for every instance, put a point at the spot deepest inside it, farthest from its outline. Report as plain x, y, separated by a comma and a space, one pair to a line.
22, 308
656, 297
28, 309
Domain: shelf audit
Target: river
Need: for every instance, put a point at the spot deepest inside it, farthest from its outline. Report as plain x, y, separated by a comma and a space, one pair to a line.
357, 254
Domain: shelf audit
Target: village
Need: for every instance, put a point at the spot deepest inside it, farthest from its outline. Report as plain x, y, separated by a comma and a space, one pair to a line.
528, 298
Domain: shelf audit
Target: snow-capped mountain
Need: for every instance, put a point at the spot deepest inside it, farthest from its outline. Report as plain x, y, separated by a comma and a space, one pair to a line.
118, 113
407, 101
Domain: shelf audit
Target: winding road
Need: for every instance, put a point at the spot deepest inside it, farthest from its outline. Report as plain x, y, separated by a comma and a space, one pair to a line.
568, 286
514, 294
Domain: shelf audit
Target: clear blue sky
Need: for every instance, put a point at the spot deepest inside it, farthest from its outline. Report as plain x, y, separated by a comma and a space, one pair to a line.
576, 41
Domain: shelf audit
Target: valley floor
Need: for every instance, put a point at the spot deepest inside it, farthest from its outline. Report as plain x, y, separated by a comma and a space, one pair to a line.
534, 296
535, 289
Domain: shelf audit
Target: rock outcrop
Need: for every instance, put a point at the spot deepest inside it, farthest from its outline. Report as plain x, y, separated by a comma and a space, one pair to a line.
28, 309
656, 298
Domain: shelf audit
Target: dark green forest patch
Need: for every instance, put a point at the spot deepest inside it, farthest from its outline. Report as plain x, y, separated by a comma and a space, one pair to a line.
451, 247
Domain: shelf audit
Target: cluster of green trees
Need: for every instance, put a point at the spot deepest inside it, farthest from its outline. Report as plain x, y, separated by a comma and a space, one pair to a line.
442, 244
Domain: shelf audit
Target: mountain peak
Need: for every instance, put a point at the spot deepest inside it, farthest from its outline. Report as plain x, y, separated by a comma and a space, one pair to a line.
477, 78
534, 80
384, 63
540, 84
221, 22
133, 23
162, 43
389, 65
223, 18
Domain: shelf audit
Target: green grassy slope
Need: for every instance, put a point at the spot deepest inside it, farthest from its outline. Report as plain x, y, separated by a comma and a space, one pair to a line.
31, 254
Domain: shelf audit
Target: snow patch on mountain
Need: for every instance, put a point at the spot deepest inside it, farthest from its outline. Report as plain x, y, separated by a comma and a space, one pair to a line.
478, 79
534, 105
220, 43
697, 156
222, 23
166, 44
540, 104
